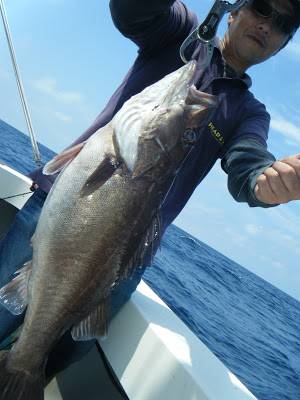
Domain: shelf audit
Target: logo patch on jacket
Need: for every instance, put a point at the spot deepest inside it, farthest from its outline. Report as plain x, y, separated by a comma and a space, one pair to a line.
216, 134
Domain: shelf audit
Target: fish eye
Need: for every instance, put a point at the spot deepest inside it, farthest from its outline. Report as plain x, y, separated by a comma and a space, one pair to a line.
189, 138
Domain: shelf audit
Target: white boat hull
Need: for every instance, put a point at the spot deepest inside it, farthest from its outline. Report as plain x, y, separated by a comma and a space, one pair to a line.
15, 187
153, 354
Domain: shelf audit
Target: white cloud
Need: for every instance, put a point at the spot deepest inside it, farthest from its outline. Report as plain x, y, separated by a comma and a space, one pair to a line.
278, 264
253, 229
293, 48
49, 113
207, 210
287, 128
235, 237
63, 117
49, 86
281, 225
271, 263
287, 219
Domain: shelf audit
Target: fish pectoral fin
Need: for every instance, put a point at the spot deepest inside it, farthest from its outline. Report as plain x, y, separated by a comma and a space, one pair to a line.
14, 295
62, 159
102, 173
94, 325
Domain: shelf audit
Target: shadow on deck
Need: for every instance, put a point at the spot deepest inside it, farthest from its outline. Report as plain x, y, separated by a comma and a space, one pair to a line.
86, 379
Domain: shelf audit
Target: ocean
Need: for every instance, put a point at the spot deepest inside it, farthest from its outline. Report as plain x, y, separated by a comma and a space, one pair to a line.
250, 325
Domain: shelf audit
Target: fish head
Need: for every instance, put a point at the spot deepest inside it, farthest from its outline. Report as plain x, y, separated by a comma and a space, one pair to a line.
158, 127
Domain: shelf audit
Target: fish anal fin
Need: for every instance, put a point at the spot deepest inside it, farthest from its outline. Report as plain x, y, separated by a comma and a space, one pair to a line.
14, 295
102, 173
94, 325
62, 159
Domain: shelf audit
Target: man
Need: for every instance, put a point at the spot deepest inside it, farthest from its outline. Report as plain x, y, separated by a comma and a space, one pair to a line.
237, 134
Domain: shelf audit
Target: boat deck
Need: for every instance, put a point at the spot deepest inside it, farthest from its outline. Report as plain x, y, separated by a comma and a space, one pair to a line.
86, 379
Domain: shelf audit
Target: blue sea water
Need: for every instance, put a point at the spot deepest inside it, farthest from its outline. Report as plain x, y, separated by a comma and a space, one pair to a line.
251, 326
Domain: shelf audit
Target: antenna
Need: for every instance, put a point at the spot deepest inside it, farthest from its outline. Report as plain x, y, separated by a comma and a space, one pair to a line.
36, 152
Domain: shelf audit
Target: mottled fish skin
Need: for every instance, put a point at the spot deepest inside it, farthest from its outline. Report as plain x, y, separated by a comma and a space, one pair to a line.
89, 233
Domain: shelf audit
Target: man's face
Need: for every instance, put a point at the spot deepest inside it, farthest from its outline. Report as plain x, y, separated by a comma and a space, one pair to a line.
253, 38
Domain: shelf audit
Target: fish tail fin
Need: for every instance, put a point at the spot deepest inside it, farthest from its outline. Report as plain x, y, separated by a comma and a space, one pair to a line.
18, 385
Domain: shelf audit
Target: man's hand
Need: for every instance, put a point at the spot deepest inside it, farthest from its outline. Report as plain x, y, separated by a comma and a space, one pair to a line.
280, 183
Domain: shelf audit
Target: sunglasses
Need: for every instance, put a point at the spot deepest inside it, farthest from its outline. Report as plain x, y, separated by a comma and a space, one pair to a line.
283, 23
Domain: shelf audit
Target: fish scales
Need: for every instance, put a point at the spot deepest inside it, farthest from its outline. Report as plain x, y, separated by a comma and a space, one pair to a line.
97, 223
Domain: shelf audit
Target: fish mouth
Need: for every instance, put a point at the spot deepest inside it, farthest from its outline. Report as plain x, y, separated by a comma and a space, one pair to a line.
196, 97
182, 81
189, 72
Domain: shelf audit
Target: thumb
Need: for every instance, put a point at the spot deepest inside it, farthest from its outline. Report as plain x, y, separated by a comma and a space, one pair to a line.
294, 157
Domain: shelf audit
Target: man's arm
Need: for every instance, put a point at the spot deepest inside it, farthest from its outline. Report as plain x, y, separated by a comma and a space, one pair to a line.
255, 177
280, 183
152, 24
127, 13
244, 162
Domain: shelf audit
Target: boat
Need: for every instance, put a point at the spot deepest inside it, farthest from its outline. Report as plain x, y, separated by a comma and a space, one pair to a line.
149, 353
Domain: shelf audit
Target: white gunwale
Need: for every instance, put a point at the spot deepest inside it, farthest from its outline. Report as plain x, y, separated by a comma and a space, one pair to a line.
152, 352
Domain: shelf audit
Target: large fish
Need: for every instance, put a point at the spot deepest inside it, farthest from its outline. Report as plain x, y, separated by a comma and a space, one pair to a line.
97, 223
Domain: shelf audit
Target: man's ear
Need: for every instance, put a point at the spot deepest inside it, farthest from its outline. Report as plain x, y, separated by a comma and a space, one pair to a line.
231, 17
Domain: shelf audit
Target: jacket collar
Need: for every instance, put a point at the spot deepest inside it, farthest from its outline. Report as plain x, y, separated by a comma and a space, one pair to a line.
245, 78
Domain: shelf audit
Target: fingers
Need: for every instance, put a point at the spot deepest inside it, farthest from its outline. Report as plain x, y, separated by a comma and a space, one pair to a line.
263, 190
288, 175
294, 162
280, 183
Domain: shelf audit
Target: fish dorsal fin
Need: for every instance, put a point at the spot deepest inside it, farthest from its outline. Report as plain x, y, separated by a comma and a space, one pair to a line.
94, 325
62, 159
14, 295
101, 174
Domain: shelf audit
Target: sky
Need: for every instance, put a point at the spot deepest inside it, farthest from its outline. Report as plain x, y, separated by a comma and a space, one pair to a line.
72, 58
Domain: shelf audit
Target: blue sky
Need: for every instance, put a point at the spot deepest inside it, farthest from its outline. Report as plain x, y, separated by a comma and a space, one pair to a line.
72, 59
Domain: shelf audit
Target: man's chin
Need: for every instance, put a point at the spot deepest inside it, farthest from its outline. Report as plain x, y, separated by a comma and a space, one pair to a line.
252, 56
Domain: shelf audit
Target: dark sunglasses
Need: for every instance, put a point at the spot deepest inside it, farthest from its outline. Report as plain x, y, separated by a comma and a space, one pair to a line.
284, 23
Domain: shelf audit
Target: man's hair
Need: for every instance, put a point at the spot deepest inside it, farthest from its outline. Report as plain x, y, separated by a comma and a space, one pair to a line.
296, 6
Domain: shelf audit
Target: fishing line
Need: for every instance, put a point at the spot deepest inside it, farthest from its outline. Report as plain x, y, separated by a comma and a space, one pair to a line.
32, 189
15, 195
